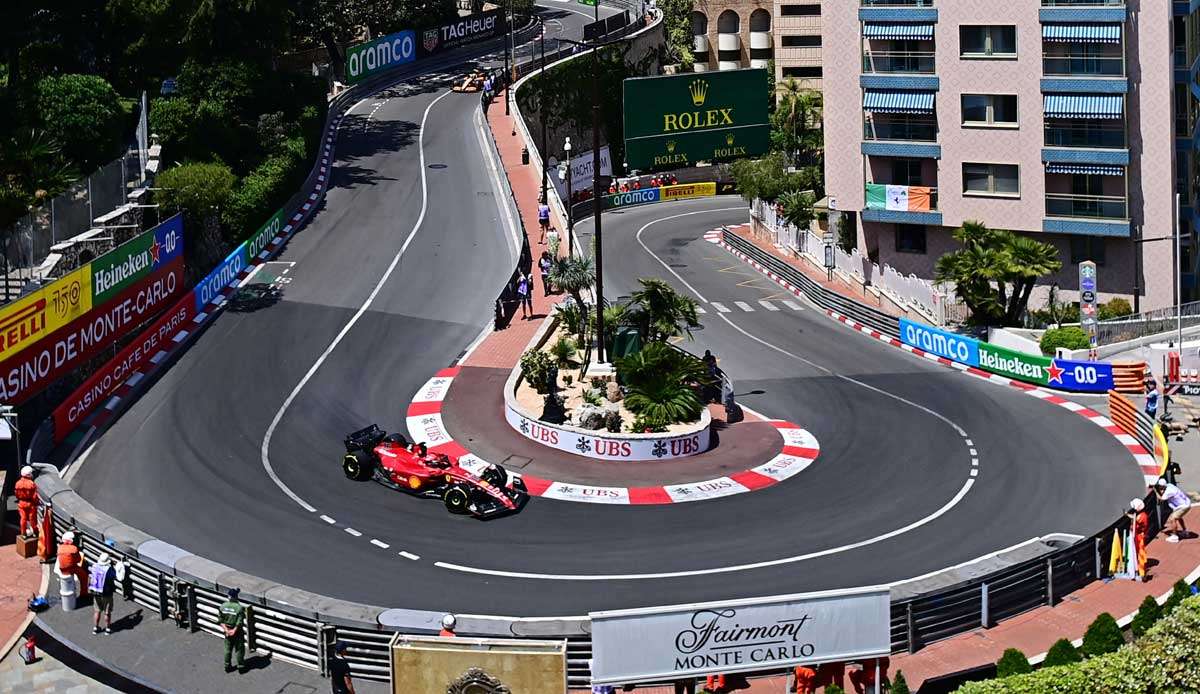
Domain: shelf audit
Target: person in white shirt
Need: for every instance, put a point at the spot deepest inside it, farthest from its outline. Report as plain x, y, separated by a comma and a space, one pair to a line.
1179, 503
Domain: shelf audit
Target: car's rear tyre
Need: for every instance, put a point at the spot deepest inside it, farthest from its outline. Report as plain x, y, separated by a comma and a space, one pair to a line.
456, 500
495, 476
357, 466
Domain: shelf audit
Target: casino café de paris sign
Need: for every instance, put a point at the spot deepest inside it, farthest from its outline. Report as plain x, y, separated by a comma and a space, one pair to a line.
631, 646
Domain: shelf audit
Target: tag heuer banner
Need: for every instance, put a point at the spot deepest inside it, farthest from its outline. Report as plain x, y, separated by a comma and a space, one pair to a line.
678, 120
672, 643
466, 30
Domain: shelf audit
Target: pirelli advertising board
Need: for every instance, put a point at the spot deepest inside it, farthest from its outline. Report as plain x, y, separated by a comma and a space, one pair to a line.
51, 331
678, 120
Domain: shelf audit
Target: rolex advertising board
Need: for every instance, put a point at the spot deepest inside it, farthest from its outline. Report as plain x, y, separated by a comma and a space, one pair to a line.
678, 120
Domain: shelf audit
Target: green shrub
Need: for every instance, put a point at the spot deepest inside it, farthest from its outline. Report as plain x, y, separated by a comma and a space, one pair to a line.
1102, 636
536, 366
642, 426
1148, 613
83, 113
1179, 592
1061, 653
195, 189
1070, 337
1012, 662
262, 192
563, 352
899, 685
613, 422
834, 689
661, 382
1115, 308
1165, 659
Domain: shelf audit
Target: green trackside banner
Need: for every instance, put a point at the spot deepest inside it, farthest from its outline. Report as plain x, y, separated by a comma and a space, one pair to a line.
678, 120
1018, 365
256, 243
135, 259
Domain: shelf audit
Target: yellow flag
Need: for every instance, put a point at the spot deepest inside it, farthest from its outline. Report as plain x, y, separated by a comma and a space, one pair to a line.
1117, 561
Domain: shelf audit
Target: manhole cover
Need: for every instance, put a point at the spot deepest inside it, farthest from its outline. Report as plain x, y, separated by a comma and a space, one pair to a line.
437, 166
295, 688
516, 461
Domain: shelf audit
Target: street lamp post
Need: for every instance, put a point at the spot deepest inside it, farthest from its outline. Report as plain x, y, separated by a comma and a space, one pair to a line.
542, 113
507, 73
597, 203
570, 201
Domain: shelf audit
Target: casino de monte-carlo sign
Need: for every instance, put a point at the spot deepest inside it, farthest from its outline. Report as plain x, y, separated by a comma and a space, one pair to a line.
674, 121
666, 643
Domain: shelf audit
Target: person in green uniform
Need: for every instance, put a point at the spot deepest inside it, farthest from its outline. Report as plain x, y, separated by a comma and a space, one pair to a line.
232, 616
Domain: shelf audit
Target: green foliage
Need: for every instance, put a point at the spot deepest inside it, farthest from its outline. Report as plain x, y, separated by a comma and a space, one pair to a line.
677, 19
1070, 337
1165, 659
198, 190
1114, 308
563, 352
662, 384
83, 113
1148, 613
768, 178
1012, 662
263, 190
592, 397
1179, 592
660, 312
613, 422
995, 271
1061, 653
572, 316
574, 275
1102, 636
900, 685
796, 123
798, 207
834, 689
642, 425
536, 367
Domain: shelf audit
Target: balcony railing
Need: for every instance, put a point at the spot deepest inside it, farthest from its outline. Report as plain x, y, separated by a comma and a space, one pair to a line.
905, 62
1086, 136
1084, 66
912, 131
1090, 206
894, 205
897, 3
1082, 3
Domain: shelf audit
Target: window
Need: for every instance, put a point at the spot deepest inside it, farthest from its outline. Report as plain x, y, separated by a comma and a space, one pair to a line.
800, 10
991, 179
989, 109
906, 172
803, 72
910, 238
977, 41
801, 41
1085, 248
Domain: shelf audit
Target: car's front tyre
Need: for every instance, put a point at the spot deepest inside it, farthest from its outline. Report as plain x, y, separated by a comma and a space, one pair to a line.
456, 500
357, 466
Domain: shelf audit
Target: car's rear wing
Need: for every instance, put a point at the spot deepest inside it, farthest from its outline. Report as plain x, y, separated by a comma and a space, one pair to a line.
364, 439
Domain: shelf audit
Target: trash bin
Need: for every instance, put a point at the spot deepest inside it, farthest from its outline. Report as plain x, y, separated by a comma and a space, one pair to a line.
625, 342
68, 590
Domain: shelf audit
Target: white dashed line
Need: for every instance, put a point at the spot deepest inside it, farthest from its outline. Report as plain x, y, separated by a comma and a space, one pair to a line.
974, 472
410, 555
353, 532
793, 305
381, 545
970, 442
328, 520
700, 309
974, 452
768, 305
744, 306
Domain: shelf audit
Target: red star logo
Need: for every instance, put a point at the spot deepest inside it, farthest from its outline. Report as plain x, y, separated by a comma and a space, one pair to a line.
1056, 372
154, 251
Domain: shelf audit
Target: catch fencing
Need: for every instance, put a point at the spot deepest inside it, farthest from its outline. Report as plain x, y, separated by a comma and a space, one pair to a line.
1162, 320
936, 301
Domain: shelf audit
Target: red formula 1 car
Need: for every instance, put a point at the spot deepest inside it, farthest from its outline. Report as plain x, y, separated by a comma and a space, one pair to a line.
372, 453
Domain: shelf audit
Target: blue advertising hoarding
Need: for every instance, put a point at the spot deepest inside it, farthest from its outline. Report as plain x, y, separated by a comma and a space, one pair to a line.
959, 348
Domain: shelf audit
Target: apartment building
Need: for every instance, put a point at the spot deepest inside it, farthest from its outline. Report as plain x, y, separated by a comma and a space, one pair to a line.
731, 34
1057, 119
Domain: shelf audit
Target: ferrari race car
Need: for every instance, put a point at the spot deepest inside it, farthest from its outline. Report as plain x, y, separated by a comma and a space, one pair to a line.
390, 460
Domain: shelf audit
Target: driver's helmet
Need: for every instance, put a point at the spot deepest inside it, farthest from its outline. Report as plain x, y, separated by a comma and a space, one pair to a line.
396, 440
440, 461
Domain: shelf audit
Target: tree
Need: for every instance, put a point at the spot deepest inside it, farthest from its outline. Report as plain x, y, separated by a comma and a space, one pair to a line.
796, 123
83, 113
798, 208
574, 275
677, 18
768, 178
661, 312
198, 190
1061, 653
1148, 613
1179, 592
995, 271
1102, 636
899, 685
1012, 662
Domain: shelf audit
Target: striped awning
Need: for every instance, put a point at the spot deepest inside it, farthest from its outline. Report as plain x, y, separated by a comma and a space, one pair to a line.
1086, 169
918, 32
1082, 33
1083, 105
897, 102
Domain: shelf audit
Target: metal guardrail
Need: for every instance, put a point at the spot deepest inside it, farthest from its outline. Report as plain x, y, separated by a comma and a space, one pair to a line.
878, 320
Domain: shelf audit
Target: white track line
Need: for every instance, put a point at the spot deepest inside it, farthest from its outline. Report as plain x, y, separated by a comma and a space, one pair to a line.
266, 443
668, 268
768, 305
410, 555
744, 306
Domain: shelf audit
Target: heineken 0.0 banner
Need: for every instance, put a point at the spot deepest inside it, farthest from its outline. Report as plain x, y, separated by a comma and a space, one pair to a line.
1065, 374
678, 120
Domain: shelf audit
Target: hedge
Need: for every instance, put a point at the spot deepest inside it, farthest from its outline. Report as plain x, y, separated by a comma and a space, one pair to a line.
1165, 659
1070, 337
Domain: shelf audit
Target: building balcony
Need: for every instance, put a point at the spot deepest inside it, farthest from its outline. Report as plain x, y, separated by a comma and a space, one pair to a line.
728, 65
1102, 207
898, 62
699, 43
729, 42
1083, 3
901, 204
924, 130
1083, 11
761, 40
1086, 136
897, 11
896, 3
1083, 66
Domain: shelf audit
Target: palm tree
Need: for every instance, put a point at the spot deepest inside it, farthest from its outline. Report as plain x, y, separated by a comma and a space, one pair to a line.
1029, 260
662, 312
800, 110
663, 384
575, 275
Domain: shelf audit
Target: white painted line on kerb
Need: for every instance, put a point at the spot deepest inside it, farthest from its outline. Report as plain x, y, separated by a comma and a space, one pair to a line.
381, 545
410, 555
768, 305
265, 450
744, 306
353, 532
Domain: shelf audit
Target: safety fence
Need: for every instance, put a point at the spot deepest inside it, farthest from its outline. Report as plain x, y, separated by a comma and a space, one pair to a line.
1147, 323
938, 302
825, 298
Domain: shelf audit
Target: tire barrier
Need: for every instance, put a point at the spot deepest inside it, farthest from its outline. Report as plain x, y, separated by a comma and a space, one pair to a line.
1129, 376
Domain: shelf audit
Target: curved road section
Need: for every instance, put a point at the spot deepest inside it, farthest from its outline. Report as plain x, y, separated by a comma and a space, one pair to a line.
234, 454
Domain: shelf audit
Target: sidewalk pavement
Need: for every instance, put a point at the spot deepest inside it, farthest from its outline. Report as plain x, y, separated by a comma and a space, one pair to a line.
20, 579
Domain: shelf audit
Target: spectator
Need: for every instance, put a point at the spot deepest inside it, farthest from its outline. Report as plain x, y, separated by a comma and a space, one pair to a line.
637, 184
448, 624
26, 493
102, 582
674, 180
525, 296
339, 670
1151, 399
612, 188
1180, 504
544, 265
487, 88
803, 680
1140, 524
863, 680
232, 616
543, 219
70, 562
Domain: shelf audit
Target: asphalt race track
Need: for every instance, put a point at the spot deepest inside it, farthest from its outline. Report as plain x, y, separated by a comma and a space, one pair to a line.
394, 277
